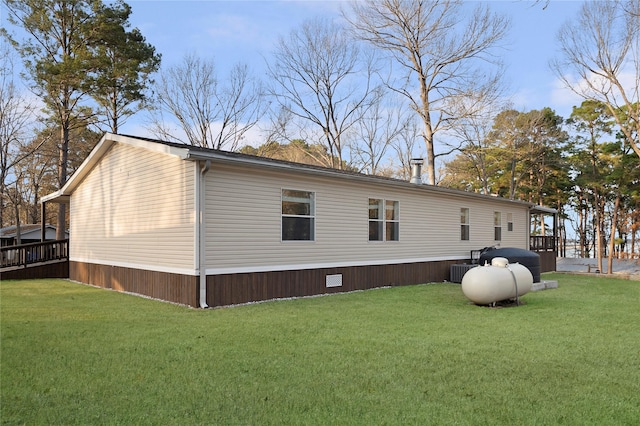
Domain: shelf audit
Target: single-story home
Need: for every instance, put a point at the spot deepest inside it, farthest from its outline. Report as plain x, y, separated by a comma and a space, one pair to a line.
207, 228
29, 233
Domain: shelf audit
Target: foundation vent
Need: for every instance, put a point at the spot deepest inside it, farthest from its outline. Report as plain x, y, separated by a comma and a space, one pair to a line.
334, 280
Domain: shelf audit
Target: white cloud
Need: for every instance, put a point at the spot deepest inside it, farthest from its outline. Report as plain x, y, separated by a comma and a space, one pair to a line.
563, 98
561, 95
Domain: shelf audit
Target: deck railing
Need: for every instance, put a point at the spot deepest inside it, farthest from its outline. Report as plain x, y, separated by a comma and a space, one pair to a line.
542, 243
27, 254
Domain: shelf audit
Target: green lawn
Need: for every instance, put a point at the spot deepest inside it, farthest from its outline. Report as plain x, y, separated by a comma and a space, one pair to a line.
74, 354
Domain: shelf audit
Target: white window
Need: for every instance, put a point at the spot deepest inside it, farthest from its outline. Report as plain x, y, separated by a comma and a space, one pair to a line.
384, 220
497, 226
464, 224
509, 222
298, 215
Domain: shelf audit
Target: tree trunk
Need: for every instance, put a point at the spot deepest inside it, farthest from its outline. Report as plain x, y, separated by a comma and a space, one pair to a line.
562, 231
512, 182
581, 228
598, 230
431, 157
62, 179
612, 240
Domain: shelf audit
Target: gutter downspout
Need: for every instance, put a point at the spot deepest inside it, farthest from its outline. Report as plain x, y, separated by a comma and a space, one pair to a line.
201, 256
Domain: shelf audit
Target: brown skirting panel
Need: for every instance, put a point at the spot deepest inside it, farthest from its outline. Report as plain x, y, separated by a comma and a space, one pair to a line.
547, 261
231, 289
46, 270
175, 288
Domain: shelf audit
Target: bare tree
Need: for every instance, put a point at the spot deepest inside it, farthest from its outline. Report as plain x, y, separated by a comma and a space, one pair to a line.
323, 78
277, 130
37, 173
440, 56
61, 64
378, 128
17, 115
208, 113
600, 60
473, 132
405, 147
544, 3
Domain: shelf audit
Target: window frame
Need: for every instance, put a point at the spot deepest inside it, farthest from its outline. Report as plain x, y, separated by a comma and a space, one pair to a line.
311, 216
509, 222
382, 222
465, 224
394, 221
378, 221
497, 226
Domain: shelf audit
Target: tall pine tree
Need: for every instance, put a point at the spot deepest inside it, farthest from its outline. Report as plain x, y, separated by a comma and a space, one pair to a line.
66, 57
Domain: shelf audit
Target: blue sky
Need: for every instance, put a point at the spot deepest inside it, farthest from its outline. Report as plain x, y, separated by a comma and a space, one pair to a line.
245, 31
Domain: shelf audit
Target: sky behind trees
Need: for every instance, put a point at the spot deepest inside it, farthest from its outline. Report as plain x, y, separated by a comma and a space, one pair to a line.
247, 31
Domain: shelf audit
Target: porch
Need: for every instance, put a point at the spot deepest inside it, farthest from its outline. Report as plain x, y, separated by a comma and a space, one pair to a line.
49, 259
545, 247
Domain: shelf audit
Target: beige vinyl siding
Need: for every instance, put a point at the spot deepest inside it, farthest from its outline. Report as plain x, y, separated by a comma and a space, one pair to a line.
136, 209
243, 221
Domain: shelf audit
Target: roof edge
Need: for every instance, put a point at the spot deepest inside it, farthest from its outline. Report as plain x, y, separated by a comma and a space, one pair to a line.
542, 209
230, 157
102, 147
193, 153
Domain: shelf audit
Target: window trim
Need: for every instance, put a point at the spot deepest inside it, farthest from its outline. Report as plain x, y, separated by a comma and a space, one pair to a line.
382, 211
509, 222
395, 220
379, 221
312, 216
465, 225
497, 226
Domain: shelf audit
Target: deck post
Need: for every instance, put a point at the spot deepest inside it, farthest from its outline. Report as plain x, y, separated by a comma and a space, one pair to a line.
43, 226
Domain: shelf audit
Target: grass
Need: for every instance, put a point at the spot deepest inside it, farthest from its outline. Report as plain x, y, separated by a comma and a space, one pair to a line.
73, 354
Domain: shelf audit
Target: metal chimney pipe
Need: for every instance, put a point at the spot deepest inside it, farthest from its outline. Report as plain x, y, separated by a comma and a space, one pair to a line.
416, 170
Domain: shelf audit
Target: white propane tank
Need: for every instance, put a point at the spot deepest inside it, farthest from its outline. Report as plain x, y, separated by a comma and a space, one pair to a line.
487, 284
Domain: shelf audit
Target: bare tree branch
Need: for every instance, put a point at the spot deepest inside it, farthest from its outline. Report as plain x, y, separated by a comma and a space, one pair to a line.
600, 60
323, 78
17, 115
440, 56
209, 113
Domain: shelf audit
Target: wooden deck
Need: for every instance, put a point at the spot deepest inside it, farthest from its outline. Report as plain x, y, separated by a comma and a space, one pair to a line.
545, 246
49, 259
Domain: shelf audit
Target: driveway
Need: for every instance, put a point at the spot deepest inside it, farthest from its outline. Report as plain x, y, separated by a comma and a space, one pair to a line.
629, 268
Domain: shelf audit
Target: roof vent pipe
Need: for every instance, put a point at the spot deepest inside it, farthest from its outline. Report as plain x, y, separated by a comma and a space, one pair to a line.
416, 170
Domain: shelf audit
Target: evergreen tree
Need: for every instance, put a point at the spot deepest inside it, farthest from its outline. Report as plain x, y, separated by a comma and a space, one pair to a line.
126, 63
590, 166
66, 55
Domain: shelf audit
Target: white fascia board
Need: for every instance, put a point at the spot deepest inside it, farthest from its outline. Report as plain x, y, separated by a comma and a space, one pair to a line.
181, 153
344, 264
55, 197
96, 154
543, 209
